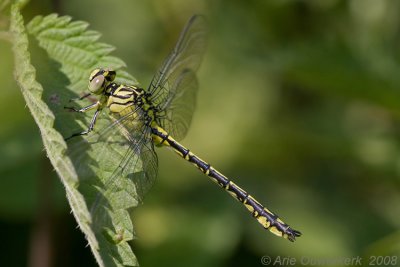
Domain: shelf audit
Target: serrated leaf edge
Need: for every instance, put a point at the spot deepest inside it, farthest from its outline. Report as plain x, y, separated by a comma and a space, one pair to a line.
25, 75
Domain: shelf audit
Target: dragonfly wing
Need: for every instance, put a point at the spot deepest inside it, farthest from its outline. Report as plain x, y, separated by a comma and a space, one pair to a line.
144, 180
186, 56
116, 165
178, 111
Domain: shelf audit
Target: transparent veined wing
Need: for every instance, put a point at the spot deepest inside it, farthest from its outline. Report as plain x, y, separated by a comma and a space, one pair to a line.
117, 163
168, 83
179, 107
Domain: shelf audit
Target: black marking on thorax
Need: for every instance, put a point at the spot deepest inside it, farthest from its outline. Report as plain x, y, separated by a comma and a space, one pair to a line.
110, 89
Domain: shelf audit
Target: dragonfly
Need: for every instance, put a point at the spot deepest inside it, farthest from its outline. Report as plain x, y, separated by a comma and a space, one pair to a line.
160, 116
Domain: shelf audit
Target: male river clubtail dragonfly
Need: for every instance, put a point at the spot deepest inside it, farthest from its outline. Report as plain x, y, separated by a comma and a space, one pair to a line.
161, 116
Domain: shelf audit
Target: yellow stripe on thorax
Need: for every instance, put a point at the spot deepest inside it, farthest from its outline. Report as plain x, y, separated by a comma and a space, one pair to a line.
121, 98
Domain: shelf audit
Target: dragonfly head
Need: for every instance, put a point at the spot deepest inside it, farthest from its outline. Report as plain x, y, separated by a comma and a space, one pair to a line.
99, 79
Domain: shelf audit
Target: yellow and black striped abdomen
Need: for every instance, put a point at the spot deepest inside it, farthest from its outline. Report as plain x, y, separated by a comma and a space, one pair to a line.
264, 216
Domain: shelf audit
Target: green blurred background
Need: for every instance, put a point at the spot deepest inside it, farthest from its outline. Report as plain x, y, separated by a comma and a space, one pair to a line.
299, 103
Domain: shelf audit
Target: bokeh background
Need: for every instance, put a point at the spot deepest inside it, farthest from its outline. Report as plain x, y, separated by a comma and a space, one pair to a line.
299, 103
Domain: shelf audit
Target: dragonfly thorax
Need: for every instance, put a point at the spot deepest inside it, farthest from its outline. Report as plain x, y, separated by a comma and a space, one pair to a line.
120, 96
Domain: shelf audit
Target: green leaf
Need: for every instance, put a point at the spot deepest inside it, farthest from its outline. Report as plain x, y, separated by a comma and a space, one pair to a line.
64, 53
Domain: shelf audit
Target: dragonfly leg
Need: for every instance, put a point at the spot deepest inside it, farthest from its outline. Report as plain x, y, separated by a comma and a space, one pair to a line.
80, 98
84, 109
91, 126
92, 122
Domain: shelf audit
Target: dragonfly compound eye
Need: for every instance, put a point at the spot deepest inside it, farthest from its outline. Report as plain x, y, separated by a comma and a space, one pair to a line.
96, 85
